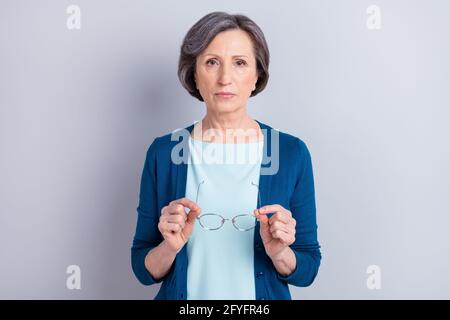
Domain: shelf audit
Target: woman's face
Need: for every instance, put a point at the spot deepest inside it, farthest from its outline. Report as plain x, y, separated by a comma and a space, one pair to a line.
228, 64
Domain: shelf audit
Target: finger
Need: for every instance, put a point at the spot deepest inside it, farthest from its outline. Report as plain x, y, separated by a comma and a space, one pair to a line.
172, 209
277, 225
262, 218
282, 227
274, 208
281, 217
176, 218
186, 203
282, 236
179, 219
176, 208
286, 238
193, 215
172, 227
290, 225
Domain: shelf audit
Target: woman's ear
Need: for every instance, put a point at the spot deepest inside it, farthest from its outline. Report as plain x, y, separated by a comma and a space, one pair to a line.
256, 81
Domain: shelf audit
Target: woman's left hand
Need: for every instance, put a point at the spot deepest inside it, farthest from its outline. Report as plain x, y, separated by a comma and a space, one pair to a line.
278, 232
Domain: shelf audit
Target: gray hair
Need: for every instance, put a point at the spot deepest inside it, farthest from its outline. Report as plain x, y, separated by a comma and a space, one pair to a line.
203, 32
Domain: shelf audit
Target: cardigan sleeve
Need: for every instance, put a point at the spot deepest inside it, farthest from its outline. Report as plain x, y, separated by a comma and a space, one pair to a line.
303, 208
147, 235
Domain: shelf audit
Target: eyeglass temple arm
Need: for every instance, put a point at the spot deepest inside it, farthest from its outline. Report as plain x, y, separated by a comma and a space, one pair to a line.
198, 188
259, 198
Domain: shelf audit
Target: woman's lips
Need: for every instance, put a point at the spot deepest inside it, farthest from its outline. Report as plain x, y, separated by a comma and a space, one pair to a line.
225, 95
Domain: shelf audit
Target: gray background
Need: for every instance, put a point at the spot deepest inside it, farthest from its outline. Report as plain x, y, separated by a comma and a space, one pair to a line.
79, 108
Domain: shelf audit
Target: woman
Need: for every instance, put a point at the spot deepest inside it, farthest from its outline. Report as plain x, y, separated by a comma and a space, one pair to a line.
209, 230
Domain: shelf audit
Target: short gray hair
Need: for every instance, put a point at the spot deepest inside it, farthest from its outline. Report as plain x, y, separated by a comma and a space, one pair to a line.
204, 31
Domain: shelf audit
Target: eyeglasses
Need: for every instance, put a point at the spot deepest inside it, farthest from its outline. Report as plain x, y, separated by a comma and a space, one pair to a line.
213, 221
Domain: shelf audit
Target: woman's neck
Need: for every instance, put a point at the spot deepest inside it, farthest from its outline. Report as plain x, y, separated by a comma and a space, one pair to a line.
227, 130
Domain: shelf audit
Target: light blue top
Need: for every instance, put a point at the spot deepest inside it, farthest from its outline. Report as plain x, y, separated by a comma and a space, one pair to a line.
221, 262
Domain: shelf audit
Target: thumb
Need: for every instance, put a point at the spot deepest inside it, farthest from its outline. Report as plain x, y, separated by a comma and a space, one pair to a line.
190, 222
264, 220
264, 224
193, 214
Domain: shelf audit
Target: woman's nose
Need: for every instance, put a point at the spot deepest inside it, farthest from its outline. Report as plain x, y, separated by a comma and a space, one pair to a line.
225, 75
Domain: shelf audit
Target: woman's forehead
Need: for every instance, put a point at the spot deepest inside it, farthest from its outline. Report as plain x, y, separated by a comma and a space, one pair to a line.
231, 43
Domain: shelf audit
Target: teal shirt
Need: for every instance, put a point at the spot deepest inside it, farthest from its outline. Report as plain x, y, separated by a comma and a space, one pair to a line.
221, 262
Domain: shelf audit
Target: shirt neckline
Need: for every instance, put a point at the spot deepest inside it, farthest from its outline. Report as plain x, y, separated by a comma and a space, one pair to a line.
225, 144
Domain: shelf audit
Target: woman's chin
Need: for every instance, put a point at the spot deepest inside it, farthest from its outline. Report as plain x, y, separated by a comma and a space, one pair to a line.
225, 107
225, 101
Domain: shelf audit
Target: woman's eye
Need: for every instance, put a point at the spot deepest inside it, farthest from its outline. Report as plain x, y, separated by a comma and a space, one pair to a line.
240, 63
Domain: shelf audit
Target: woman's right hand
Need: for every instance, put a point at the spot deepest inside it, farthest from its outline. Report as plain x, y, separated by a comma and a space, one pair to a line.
175, 224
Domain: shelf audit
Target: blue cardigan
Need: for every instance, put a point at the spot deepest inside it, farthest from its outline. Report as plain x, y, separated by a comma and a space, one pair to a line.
292, 186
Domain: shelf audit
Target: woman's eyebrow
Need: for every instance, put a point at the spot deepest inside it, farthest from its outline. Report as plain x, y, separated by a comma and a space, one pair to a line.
216, 55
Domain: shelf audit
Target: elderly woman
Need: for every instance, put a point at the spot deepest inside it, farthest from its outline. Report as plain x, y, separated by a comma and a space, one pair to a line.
215, 230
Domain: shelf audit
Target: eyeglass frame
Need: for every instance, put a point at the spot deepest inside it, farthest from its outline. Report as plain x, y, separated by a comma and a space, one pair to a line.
226, 219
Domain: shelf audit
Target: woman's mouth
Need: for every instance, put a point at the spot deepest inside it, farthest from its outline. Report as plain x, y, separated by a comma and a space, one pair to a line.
225, 95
